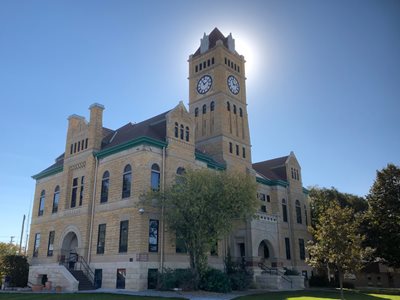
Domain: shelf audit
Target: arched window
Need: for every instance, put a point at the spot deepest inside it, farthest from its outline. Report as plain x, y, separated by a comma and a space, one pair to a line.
228, 106
41, 203
182, 131
176, 130
234, 109
298, 212
305, 214
56, 199
204, 109
284, 211
240, 112
104, 187
187, 134
155, 177
126, 181
196, 112
212, 106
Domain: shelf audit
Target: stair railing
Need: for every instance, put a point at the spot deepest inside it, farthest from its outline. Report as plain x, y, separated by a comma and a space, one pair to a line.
274, 271
83, 266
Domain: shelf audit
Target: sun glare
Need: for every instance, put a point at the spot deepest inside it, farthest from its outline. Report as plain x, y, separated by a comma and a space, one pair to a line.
245, 45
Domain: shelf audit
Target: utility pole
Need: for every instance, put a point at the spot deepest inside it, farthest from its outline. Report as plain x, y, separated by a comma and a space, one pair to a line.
12, 239
22, 233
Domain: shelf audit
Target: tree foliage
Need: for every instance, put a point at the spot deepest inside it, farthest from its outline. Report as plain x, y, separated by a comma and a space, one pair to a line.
337, 241
320, 199
6, 249
201, 208
17, 267
383, 217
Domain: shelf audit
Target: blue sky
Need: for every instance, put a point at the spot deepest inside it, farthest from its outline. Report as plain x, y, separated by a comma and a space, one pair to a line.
323, 80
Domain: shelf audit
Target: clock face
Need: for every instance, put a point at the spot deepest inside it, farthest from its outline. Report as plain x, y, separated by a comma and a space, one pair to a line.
233, 84
204, 84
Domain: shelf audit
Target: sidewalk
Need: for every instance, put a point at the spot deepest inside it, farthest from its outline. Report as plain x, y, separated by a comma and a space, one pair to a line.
192, 295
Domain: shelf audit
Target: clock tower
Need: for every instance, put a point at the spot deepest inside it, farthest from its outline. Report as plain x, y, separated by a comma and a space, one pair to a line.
217, 100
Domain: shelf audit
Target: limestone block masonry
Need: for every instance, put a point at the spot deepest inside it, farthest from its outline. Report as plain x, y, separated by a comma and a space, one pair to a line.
87, 212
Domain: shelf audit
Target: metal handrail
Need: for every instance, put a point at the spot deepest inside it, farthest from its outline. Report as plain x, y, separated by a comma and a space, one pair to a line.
269, 270
79, 263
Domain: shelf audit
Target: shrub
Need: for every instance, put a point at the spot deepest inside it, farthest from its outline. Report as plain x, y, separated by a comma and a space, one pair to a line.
348, 285
17, 267
291, 272
239, 276
178, 278
319, 281
214, 280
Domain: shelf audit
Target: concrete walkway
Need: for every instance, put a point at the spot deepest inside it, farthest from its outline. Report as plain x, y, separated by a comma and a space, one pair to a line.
193, 295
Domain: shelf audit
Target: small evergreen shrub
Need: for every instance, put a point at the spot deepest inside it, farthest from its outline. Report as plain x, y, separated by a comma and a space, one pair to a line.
319, 281
239, 276
291, 272
17, 267
214, 280
178, 278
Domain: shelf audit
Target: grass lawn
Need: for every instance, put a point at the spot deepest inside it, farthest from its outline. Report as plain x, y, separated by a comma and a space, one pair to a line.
97, 296
313, 295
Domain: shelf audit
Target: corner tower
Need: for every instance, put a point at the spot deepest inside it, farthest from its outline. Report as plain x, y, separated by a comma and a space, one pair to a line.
217, 100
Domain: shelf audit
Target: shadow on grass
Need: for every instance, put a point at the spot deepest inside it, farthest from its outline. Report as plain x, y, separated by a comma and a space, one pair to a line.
94, 296
318, 294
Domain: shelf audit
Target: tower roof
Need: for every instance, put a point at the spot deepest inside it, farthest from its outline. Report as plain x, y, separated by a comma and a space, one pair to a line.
272, 168
213, 37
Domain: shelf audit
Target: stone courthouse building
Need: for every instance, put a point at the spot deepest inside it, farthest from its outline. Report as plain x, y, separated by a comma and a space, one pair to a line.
86, 214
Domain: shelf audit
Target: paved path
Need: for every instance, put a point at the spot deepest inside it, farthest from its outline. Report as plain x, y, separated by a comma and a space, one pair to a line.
194, 295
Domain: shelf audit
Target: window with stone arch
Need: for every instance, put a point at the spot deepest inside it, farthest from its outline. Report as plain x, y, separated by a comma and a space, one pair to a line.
240, 112
56, 199
298, 212
41, 203
234, 109
228, 106
179, 174
187, 134
196, 112
212, 106
105, 182
182, 131
155, 177
204, 109
176, 130
127, 181
284, 211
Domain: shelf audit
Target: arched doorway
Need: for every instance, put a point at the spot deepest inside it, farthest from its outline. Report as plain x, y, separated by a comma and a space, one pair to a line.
264, 251
69, 249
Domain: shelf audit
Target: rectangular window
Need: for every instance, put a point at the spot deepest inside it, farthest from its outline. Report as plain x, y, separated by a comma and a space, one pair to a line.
268, 198
244, 152
214, 249
101, 238
72, 149
284, 213
41, 205
302, 249
200, 67
237, 149
74, 192
153, 235
79, 146
121, 274
263, 209
230, 148
212, 60
238, 69
225, 61
208, 63
261, 196
180, 246
82, 189
36, 245
287, 246
126, 184
155, 180
50, 246
86, 143
98, 278
204, 64
196, 68
123, 236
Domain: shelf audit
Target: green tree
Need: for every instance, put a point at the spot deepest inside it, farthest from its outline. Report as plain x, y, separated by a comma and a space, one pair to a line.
337, 242
201, 208
6, 249
383, 216
320, 199
17, 267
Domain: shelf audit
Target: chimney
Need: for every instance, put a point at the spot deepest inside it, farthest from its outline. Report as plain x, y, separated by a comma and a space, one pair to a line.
96, 126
